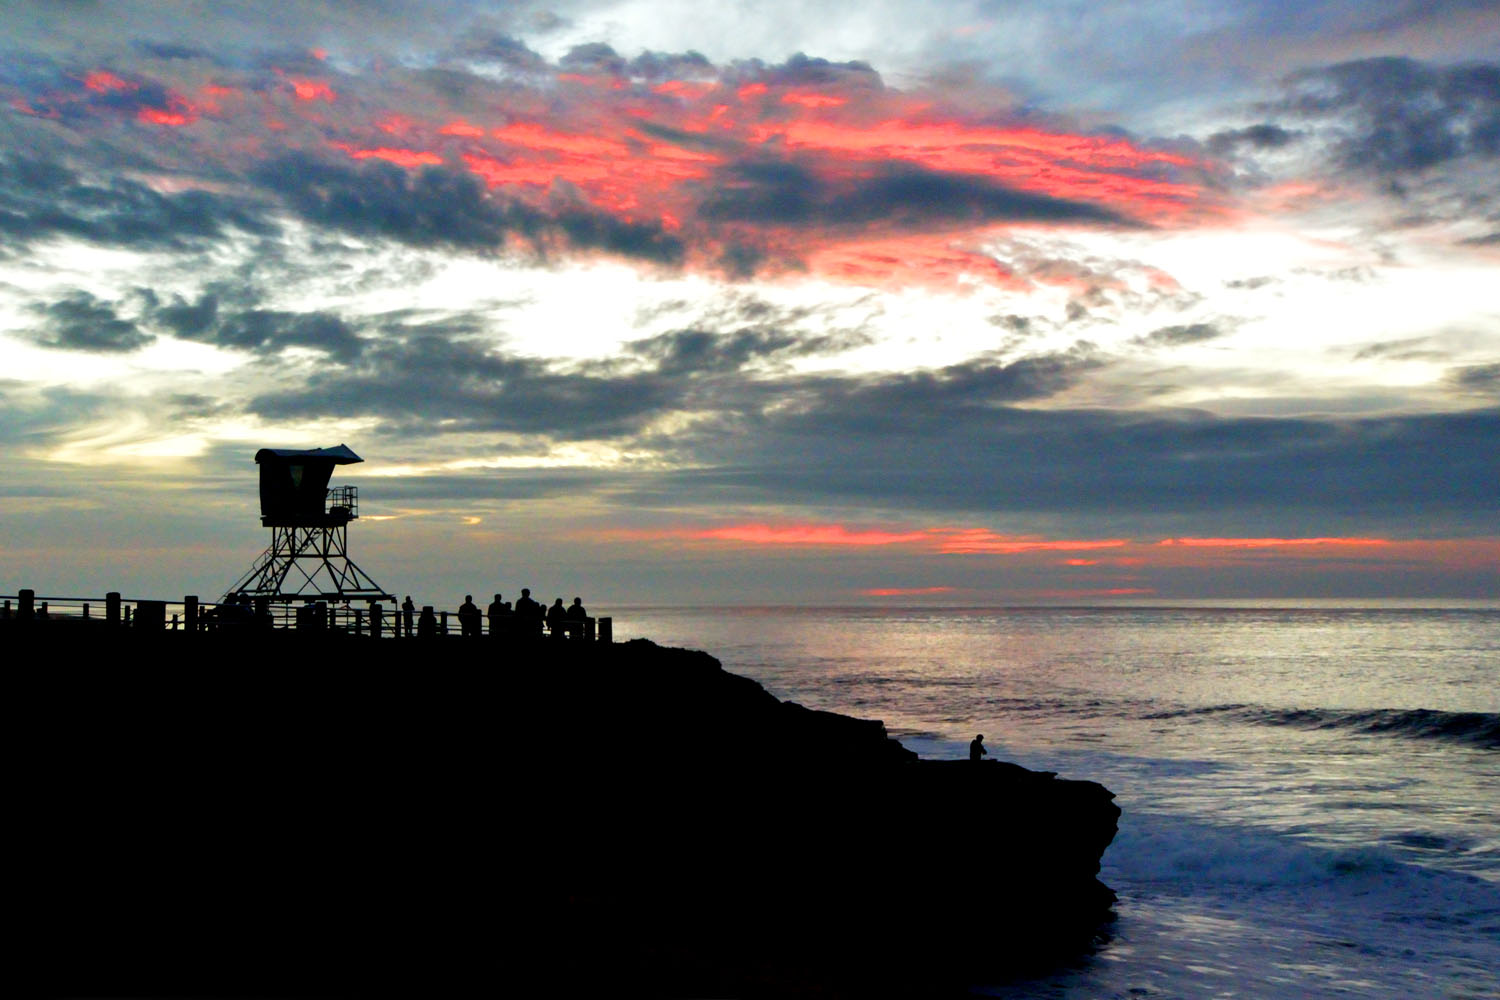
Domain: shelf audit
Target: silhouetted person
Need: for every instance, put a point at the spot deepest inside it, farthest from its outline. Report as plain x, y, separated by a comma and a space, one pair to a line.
427, 623
976, 748
577, 615
557, 617
407, 610
528, 613
499, 614
468, 616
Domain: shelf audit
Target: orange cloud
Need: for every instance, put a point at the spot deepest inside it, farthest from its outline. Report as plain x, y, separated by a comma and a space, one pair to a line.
400, 157
102, 82
805, 535
463, 128
904, 591
974, 541
666, 150
943, 541
1269, 543
312, 90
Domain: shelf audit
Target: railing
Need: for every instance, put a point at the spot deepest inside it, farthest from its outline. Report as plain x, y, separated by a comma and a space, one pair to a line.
343, 501
373, 620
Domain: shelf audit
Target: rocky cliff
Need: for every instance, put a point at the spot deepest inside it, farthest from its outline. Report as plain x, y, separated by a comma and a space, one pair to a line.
290, 816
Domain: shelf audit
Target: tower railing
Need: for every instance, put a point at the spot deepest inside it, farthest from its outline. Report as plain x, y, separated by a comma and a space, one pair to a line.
343, 501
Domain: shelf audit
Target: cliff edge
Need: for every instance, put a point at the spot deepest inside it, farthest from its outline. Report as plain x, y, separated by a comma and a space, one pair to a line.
327, 816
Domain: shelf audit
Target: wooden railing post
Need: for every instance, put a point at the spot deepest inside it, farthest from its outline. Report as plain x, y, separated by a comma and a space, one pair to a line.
376, 619
606, 630
151, 615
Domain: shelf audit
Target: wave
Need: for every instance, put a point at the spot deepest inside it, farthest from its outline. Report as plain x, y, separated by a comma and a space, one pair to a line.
1478, 729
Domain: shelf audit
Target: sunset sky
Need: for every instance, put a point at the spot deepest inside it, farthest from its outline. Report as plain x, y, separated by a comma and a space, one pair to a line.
659, 302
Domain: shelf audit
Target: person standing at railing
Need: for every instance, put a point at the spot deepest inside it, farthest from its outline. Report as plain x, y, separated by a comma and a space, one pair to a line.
557, 619
499, 615
427, 623
468, 617
577, 616
407, 610
528, 614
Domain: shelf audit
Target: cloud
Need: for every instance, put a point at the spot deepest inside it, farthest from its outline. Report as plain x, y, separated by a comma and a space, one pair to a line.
425, 382
1400, 116
1176, 336
1264, 136
42, 199
695, 351
663, 158
906, 197
80, 322
440, 206
1404, 349
927, 448
1476, 380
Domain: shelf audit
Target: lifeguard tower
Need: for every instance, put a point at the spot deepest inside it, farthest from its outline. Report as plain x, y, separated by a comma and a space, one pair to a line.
308, 559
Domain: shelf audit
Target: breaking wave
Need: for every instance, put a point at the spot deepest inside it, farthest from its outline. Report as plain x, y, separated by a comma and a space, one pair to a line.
1478, 729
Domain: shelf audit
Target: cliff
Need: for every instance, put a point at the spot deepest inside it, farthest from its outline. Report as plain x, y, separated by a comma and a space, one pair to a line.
207, 815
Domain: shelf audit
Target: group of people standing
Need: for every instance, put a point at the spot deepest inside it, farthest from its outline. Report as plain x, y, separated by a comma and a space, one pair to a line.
524, 619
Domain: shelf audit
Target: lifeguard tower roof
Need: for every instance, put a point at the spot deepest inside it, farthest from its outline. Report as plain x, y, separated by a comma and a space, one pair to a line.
337, 455
294, 487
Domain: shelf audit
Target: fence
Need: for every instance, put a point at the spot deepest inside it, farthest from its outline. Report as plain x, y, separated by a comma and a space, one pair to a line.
373, 620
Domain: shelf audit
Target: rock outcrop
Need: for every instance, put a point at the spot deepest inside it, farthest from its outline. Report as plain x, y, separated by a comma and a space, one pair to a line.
205, 814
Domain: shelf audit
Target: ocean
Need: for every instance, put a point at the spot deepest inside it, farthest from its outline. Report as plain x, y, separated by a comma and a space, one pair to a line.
1310, 791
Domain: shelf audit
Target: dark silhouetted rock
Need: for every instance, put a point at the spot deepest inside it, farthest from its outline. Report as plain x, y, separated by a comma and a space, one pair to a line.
316, 815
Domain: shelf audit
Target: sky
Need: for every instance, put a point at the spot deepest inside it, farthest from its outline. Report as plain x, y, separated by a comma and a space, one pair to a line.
656, 302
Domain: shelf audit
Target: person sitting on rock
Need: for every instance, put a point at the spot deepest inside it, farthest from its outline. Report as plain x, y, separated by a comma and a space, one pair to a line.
976, 748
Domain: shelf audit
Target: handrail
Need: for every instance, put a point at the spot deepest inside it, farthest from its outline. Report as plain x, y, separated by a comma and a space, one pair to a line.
190, 614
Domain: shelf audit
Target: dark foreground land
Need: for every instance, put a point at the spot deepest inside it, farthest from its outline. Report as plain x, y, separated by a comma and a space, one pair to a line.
279, 816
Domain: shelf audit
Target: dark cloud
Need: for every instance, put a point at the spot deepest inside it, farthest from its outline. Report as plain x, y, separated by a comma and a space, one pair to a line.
939, 450
681, 352
1401, 116
1405, 349
805, 71
81, 322
594, 59
168, 51
786, 193
511, 484
1477, 380
447, 207
923, 402
270, 331
42, 199
1175, 336
510, 52
672, 66
428, 383
1260, 137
